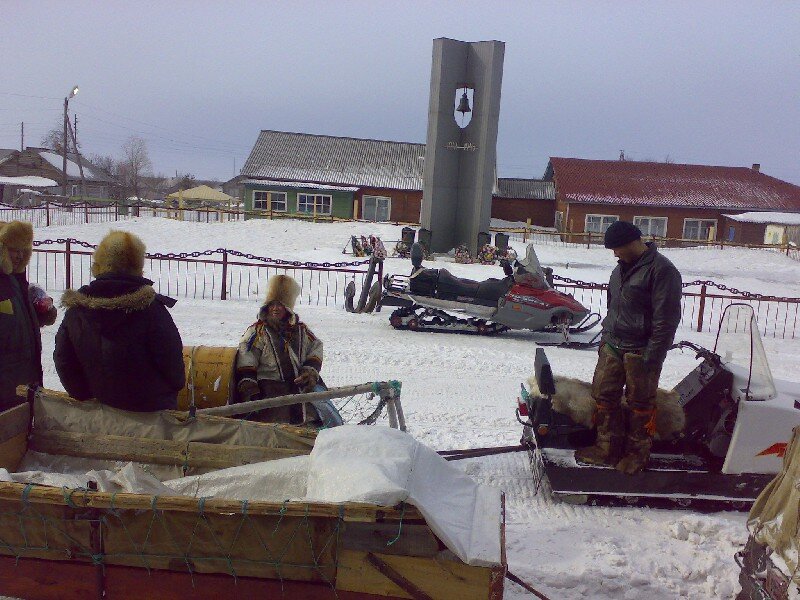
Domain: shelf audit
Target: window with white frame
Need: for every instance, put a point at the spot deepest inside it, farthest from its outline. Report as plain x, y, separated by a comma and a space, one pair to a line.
76, 190
599, 223
698, 229
269, 201
314, 203
558, 223
652, 226
376, 208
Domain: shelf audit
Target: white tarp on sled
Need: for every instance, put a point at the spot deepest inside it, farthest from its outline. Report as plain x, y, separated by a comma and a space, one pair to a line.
386, 466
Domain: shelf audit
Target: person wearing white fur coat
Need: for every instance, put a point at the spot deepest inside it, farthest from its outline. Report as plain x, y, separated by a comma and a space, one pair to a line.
278, 354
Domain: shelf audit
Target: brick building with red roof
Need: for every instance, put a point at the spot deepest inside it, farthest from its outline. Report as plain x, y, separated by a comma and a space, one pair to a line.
663, 199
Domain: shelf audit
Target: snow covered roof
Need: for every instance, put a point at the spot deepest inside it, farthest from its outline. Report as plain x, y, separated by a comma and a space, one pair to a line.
28, 181
201, 192
336, 160
90, 172
777, 218
667, 184
534, 189
299, 184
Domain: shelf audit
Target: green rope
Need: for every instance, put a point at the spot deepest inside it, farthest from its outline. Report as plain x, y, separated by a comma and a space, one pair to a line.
400, 528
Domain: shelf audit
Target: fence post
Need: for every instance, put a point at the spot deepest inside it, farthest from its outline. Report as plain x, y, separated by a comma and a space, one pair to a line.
589, 240
702, 308
85, 212
224, 293
67, 267
47, 215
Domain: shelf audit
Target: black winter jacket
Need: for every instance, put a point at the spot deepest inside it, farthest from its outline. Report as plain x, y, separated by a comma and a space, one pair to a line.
20, 339
644, 306
119, 344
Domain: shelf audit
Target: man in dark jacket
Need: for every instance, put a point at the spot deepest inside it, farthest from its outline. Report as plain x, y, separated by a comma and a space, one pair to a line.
20, 339
117, 342
644, 309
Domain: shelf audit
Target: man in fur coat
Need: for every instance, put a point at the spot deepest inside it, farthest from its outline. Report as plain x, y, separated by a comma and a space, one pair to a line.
118, 342
20, 319
644, 310
278, 354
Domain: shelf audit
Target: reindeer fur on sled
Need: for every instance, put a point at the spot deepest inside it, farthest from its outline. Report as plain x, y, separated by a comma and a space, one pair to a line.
573, 398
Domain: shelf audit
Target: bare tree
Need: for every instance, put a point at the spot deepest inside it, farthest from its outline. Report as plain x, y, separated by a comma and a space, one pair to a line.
135, 164
54, 139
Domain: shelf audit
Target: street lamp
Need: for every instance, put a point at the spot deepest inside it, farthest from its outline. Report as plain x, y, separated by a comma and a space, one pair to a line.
66, 123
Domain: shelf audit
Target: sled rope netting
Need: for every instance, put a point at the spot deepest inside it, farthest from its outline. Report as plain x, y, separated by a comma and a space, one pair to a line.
289, 545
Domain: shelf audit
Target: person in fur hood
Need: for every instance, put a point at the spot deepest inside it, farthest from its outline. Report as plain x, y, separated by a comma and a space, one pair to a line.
20, 318
278, 354
118, 342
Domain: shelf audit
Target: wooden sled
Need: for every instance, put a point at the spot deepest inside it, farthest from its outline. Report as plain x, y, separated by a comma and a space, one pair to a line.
79, 543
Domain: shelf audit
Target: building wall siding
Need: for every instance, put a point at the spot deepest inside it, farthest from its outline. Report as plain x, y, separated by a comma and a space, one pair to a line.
405, 205
576, 219
341, 201
540, 212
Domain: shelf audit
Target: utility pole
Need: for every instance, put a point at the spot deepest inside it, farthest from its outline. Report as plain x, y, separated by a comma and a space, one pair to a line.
64, 150
75, 130
22, 136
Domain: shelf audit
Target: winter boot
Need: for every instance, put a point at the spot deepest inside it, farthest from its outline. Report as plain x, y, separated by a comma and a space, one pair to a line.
641, 428
607, 449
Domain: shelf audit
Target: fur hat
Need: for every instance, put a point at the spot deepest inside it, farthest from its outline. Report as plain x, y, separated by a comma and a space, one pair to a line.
283, 289
17, 235
121, 253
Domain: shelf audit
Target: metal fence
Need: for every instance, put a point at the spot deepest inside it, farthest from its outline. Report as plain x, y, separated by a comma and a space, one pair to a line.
219, 274
546, 237
702, 305
224, 274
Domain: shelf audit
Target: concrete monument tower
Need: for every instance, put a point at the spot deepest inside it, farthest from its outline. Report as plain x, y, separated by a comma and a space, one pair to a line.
460, 156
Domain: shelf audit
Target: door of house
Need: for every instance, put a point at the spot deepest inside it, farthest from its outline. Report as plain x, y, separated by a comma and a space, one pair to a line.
377, 208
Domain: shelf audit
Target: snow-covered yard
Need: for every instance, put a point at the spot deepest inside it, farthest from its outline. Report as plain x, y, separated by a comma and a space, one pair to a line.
460, 391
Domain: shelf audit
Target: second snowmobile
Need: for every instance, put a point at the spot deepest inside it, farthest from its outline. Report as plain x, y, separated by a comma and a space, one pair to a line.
736, 420
436, 300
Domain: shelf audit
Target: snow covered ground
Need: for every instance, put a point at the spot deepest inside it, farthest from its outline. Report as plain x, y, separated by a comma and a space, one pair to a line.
459, 392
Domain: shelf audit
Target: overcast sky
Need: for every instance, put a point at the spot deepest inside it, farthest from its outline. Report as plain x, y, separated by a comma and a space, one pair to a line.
695, 82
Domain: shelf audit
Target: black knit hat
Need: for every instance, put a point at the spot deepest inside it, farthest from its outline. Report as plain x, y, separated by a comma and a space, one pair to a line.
621, 233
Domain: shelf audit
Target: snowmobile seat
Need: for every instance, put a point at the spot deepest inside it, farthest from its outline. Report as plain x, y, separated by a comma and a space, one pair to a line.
424, 281
492, 290
450, 287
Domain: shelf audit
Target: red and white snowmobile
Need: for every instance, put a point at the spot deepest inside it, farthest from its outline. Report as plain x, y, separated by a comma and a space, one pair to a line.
736, 421
436, 300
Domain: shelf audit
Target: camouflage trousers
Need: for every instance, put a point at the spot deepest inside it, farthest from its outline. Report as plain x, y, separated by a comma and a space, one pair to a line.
621, 372
618, 372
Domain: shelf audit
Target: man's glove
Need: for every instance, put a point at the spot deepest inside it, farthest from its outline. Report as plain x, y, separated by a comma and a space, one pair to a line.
248, 390
307, 378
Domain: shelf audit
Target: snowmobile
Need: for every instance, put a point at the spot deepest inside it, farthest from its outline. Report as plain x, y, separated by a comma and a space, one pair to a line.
736, 421
436, 300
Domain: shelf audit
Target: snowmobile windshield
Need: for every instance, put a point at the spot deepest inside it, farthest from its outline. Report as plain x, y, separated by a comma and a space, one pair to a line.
742, 351
529, 270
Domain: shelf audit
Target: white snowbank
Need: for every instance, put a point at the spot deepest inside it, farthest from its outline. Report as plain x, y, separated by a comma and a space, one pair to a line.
28, 181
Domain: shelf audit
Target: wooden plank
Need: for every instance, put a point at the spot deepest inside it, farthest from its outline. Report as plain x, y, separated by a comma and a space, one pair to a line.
219, 456
396, 578
438, 578
47, 580
12, 450
14, 421
349, 511
414, 540
109, 447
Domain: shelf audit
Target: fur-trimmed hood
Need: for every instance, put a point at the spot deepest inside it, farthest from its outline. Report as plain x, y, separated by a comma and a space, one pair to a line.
119, 253
283, 289
17, 235
130, 302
